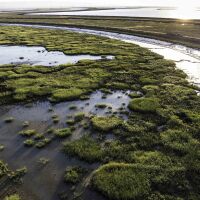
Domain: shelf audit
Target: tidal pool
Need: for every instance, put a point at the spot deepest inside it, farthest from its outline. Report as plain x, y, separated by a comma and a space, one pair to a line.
48, 180
40, 56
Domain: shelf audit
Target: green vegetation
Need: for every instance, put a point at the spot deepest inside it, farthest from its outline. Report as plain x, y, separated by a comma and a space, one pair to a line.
66, 94
137, 181
153, 154
178, 31
27, 133
73, 174
179, 141
79, 116
42, 143
144, 104
70, 122
29, 142
10, 179
62, 133
106, 124
38, 136
85, 148
55, 119
135, 95
13, 197
122, 181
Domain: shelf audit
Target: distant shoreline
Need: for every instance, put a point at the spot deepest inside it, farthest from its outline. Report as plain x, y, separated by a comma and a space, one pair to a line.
185, 35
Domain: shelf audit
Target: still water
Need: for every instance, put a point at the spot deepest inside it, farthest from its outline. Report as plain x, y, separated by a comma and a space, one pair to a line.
40, 56
45, 182
154, 12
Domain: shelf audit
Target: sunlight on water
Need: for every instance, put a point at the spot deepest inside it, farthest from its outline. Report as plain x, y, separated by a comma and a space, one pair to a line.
185, 11
182, 12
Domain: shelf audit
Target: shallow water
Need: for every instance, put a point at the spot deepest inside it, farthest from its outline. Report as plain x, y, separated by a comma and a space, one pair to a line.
44, 182
39, 56
187, 59
184, 13
47, 184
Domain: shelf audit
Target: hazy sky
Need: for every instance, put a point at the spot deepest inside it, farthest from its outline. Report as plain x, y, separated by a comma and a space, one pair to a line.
20, 4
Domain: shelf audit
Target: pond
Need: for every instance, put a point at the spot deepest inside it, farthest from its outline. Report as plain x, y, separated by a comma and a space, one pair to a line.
40, 56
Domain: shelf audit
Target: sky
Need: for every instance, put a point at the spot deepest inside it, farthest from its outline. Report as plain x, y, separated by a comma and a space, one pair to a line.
23, 4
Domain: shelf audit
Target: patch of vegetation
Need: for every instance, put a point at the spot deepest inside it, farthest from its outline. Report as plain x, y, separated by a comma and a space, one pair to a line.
85, 148
62, 133
66, 94
135, 94
10, 179
38, 136
144, 104
79, 116
42, 143
106, 91
179, 141
136, 181
29, 142
70, 122
106, 124
28, 133
55, 119
74, 174
13, 197
50, 130
121, 181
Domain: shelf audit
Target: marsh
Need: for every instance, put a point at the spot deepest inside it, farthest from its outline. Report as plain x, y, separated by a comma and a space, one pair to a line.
99, 107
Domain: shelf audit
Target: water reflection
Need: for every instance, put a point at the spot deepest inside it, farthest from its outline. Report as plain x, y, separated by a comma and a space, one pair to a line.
40, 56
48, 179
183, 12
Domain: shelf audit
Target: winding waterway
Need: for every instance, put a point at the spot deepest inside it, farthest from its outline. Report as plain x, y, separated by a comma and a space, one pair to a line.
187, 59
